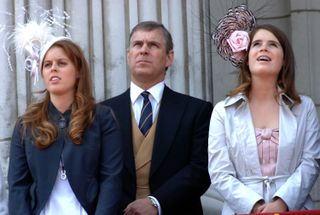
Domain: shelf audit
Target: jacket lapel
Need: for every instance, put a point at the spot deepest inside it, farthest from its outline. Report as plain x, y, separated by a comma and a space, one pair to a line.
245, 133
169, 117
123, 110
287, 139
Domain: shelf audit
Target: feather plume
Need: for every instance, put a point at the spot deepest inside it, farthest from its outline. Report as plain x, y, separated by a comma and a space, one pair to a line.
31, 33
30, 38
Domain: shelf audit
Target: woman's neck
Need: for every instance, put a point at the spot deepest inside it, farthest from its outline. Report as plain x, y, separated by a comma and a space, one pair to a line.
262, 90
62, 103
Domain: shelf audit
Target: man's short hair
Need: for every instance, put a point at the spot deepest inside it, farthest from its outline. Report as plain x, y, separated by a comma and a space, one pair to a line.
152, 25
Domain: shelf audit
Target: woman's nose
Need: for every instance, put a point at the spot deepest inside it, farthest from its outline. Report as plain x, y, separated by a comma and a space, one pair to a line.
54, 67
264, 47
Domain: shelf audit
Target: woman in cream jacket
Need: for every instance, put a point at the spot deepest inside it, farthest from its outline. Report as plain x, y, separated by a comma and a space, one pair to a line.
264, 145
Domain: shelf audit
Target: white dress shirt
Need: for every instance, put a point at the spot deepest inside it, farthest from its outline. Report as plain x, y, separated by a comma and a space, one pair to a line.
62, 199
137, 100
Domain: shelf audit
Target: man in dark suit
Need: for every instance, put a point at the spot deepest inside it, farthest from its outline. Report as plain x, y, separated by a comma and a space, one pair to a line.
165, 133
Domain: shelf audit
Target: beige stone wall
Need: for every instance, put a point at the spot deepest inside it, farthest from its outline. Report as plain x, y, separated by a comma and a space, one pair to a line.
305, 19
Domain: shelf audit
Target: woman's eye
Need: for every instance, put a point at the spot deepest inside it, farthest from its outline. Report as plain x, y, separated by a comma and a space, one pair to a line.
254, 44
274, 44
46, 65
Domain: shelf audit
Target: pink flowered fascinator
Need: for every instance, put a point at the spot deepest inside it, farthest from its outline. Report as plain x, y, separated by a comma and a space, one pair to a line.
231, 34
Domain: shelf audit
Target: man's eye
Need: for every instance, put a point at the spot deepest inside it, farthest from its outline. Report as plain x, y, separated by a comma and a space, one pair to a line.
136, 45
154, 45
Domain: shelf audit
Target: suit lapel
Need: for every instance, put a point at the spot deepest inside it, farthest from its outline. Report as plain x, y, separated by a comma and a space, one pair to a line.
169, 118
123, 110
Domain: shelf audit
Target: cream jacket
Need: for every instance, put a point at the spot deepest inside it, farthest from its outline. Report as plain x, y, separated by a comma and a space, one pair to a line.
233, 157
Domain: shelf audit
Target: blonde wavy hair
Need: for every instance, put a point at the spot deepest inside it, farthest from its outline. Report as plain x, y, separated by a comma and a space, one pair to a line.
36, 119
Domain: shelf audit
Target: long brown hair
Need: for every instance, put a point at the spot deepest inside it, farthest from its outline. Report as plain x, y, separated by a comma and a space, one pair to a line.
45, 132
286, 77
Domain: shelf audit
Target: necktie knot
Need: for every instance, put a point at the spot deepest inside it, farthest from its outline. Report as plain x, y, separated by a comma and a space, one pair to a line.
145, 121
145, 95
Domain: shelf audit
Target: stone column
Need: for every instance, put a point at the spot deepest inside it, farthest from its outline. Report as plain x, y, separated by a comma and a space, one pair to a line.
305, 18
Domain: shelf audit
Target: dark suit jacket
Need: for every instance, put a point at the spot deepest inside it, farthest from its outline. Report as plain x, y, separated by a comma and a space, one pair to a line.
93, 167
178, 174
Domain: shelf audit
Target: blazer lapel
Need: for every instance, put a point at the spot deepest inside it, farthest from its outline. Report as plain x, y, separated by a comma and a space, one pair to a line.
169, 118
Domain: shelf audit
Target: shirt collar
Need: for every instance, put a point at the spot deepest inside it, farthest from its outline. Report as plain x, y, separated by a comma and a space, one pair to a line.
241, 97
237, 99
156, 91
55, 114
286, 99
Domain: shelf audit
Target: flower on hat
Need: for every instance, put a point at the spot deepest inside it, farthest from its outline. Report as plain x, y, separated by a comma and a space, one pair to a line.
231, 34
238, 41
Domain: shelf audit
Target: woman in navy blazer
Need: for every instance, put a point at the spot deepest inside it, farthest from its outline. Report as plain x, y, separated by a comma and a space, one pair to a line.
65, 154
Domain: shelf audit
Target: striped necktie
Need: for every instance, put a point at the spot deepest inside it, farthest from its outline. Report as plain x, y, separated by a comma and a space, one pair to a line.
146, 114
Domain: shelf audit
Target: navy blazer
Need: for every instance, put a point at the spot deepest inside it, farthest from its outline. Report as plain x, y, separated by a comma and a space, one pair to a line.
93, 167
178, 174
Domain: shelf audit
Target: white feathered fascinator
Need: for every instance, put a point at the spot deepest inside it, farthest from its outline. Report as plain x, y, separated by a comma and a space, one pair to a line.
33, 37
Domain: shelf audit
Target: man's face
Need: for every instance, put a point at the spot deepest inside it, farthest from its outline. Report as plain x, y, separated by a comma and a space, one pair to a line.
147, 58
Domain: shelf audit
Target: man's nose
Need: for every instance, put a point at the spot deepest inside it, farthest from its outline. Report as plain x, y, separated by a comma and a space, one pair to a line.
144, 48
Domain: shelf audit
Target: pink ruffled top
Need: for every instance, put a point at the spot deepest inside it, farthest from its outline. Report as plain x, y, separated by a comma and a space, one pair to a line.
268, 141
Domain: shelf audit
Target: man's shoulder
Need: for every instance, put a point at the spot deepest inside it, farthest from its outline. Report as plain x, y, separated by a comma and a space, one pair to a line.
116, 100
188, 98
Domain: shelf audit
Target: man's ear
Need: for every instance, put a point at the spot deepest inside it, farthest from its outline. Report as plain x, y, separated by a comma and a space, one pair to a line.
170, 57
